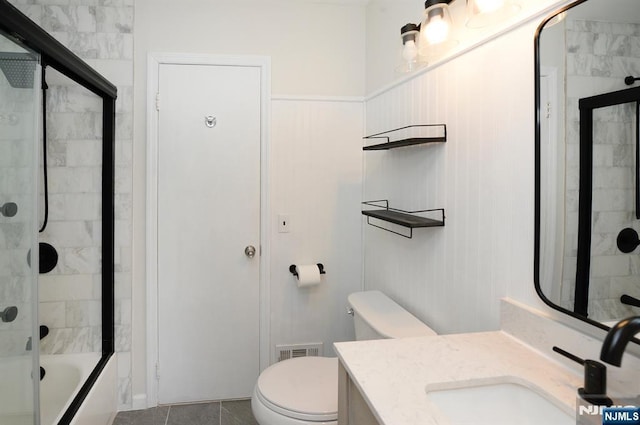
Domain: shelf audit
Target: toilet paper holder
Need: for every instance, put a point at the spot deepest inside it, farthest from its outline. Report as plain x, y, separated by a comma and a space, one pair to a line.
292, 269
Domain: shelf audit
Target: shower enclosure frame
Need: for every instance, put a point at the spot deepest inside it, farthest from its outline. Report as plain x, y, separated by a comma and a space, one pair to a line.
54, 54
583, 261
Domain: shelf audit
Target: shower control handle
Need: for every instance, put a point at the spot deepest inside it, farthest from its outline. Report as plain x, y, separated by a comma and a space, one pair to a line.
9, 209
9, 314
250, 251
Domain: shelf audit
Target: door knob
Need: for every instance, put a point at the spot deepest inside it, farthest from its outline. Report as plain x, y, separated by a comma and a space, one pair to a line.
250, 251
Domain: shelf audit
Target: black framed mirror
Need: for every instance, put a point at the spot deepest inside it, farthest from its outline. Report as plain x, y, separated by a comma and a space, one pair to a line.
587, 194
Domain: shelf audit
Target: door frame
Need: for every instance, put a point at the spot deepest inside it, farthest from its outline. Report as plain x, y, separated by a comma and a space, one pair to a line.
154, 61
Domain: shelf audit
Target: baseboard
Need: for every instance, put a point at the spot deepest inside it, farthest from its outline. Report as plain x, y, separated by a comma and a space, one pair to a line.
139, 401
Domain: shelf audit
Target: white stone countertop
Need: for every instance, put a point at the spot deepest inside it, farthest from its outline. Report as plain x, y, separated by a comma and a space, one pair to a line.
393, 374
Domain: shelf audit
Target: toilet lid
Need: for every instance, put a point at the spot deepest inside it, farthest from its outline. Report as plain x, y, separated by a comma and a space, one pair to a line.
304, 388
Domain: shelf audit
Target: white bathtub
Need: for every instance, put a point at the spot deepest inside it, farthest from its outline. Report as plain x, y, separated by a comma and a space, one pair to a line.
65, 375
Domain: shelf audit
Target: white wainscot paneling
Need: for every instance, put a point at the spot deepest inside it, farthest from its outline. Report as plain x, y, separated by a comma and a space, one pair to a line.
453, 277
316, 179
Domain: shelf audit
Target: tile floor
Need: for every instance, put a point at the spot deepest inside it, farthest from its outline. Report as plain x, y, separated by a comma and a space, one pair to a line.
237, 412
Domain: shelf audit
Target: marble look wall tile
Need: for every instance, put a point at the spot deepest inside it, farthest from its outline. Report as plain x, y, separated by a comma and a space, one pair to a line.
580, 42
81, 340
70, 180
56, 342
116, 3
124, 103
117, 71
114, 46
53, 314
124, 154
86, 260
75, 126
77, 314
14, 288
84, 153
610, 266
56, 152
122, 283
610, 44
65, 287
123, 312
32, 11
603, 244
70, 233
76, 19
115, 19
124, 204
124, 129
84, 2
72, 98
123, 337
75, 206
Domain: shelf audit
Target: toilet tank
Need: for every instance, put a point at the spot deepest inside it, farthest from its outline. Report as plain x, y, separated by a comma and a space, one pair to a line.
376, 316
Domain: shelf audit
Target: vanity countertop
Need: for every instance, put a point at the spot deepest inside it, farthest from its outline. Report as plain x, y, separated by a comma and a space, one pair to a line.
392, 374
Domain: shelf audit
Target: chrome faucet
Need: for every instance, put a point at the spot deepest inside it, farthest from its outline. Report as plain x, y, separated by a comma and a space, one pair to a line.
618, 338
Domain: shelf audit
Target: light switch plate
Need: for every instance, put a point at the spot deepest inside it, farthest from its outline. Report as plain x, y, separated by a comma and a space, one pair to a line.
284, 223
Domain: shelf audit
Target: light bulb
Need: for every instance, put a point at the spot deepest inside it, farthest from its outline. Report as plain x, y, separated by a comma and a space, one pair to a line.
437, 30
409, 51
488, 6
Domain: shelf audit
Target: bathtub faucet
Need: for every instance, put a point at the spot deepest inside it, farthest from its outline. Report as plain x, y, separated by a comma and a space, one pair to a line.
44, 331
618, 338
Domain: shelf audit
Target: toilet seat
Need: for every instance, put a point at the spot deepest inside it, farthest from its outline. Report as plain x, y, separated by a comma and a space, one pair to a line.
303, 388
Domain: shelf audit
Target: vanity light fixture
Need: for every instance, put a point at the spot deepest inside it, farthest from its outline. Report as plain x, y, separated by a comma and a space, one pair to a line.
483, 13
437, 23
410, 58
436, 29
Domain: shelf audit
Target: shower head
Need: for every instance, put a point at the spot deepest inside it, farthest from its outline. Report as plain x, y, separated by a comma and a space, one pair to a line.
18, 68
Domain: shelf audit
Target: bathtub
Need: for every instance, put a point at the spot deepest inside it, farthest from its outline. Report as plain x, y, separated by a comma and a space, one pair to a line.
64, 376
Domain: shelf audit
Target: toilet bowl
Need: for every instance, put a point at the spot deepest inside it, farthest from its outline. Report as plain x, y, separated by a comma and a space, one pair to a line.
304, 390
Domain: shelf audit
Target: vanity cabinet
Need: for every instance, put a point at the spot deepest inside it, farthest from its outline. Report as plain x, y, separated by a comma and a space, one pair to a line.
352, 407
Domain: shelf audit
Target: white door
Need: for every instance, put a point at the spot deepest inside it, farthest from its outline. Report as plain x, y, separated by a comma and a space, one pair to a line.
208, 216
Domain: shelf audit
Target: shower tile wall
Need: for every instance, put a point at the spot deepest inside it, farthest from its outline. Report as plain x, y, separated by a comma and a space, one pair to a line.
101, 33
605, 53
70, 294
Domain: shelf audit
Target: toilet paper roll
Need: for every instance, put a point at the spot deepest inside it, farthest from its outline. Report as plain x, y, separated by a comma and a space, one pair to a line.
308, 275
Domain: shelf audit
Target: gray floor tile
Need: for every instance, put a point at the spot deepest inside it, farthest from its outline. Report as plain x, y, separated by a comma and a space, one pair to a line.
153, 416
237, 412
194, 414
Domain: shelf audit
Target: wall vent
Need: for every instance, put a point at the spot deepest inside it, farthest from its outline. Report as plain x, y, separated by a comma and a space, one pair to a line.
284, 352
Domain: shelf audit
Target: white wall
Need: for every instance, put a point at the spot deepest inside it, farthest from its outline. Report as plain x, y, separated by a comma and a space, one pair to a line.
316, 175
316, 51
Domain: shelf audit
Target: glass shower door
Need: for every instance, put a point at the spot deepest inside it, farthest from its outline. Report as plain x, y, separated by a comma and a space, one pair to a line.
19, 106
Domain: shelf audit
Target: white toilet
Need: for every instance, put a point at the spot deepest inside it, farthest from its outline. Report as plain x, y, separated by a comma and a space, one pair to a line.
304, 390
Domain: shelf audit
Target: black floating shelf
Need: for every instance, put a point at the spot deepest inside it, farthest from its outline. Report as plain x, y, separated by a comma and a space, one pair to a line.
408, 219
409, 141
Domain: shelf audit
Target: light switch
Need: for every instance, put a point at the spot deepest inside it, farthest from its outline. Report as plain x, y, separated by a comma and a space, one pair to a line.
284, 223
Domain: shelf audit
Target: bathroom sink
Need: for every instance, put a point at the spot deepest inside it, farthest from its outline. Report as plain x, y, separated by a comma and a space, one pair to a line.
497, 403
